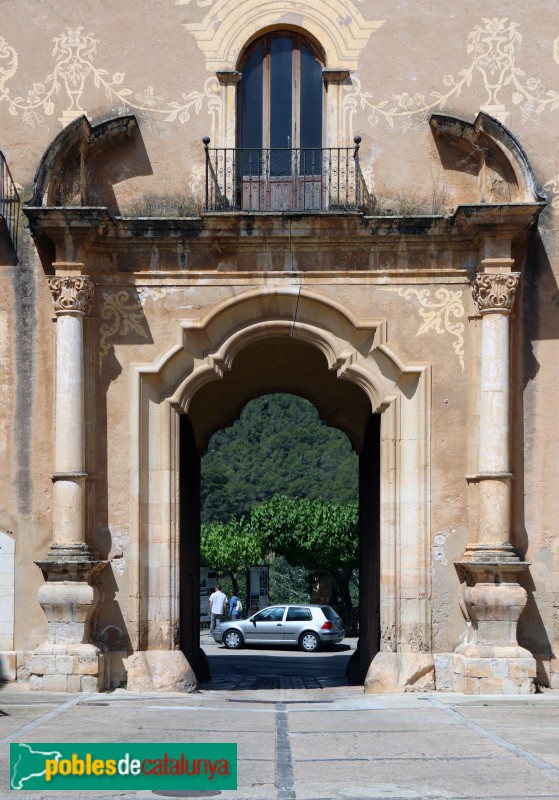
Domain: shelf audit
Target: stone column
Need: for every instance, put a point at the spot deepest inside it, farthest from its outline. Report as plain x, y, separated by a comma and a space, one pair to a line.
492, 662
67, 661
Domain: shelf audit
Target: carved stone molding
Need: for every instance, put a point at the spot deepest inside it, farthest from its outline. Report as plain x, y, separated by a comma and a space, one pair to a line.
495, 292
71, 295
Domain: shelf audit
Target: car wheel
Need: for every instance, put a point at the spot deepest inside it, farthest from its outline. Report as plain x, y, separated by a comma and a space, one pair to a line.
309, 642
233, 640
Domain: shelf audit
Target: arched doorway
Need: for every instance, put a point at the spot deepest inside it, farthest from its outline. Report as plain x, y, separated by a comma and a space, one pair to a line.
301, 341
275, 364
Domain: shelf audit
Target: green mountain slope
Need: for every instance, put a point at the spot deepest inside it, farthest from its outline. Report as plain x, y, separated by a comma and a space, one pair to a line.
278, 446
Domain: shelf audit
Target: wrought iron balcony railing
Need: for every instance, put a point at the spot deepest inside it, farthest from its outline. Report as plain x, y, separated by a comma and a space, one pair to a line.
284, 179
10, 202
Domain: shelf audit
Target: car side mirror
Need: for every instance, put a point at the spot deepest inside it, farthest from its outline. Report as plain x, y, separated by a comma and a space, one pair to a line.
253, 622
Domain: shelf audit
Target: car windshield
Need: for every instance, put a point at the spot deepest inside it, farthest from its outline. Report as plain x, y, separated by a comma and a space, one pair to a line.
329, 613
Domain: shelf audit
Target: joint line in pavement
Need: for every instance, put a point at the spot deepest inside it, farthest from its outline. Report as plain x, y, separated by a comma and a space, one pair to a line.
45, 718
552, 771
284, 762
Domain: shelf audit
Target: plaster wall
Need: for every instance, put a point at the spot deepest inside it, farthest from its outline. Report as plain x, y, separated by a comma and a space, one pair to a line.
404, 63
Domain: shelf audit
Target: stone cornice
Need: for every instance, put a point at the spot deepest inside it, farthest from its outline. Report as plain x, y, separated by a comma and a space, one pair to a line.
247, 242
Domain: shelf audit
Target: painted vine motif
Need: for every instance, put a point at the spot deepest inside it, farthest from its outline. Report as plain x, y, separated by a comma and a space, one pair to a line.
124, 315
438, 314
492, 46
74, 54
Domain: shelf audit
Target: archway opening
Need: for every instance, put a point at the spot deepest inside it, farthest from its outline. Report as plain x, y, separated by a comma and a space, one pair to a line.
281, 364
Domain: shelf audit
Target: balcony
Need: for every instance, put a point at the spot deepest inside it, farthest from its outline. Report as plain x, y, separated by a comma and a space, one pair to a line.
261, 180
10, 202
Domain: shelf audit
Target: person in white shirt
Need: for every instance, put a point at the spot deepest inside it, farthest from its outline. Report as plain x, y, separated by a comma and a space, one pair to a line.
218, 604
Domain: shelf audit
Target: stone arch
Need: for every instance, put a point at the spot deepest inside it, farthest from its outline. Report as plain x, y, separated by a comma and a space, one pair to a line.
229, 25
354, 350
65, 166
485, 147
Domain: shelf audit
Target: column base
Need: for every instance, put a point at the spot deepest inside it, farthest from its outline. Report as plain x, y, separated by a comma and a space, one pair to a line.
59, 667
394, 673
500, 673
160, 671
68, 661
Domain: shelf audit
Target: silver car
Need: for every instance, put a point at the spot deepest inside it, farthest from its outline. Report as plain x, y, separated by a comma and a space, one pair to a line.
311, 627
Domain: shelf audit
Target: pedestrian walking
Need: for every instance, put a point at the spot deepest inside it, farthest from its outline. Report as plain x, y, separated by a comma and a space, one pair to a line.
233, 606
218, 604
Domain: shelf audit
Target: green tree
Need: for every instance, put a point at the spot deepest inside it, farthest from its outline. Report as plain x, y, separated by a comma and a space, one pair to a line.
313, 534
230, 547
279, 445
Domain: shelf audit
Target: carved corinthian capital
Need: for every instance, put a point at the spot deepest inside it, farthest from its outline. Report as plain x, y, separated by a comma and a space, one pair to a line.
71, 295
495, 292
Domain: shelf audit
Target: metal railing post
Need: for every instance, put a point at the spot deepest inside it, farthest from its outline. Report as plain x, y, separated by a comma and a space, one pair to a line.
206, 141
357, 140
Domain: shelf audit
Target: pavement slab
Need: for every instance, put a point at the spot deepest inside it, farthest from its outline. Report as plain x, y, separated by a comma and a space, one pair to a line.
319, 743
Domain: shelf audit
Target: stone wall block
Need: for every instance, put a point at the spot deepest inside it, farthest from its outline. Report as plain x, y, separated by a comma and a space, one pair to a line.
74, 683
458, 664
471, 685
43, 665
401, 672
480, 667
86, 665
383, 674
89, 683
64, 665
55, 683
491, 686
417, 672
36, 683
521, 669
519, 687
444, 672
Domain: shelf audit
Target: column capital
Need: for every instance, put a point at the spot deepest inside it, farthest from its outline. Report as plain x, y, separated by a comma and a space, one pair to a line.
495, 291
335, 75
228, 77
71, 294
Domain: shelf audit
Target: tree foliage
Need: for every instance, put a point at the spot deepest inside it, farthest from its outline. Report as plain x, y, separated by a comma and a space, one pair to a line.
279, 445
280, 481
230, 547
310, 533
322, 537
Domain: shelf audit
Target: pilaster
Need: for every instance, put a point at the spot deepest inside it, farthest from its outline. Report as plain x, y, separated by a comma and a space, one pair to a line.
492, 661
68, 661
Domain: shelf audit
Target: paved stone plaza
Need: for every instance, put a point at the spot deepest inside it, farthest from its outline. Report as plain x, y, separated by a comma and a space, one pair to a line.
319, 742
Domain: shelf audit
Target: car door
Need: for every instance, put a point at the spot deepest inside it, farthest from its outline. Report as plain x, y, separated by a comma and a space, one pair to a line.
266, 627
297, 619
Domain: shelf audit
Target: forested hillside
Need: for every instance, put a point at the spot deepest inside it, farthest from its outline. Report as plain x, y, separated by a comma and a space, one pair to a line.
278, 446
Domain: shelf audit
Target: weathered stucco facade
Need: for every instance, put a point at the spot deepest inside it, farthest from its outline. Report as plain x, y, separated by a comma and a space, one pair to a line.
146, 304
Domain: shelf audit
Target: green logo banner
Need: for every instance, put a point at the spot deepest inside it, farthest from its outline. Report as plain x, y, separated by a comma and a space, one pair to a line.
104, 767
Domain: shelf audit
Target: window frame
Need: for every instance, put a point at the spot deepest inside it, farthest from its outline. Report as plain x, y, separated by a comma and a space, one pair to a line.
265, 39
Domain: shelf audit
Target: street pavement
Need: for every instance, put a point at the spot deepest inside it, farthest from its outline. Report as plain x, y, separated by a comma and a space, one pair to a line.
304, 734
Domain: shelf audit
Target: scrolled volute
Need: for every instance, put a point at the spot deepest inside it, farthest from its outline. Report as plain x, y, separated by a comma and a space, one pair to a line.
495, 292
71, 294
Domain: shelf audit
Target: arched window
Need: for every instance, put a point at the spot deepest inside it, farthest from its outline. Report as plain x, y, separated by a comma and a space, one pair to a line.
281, 94
281, 161
280, 123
